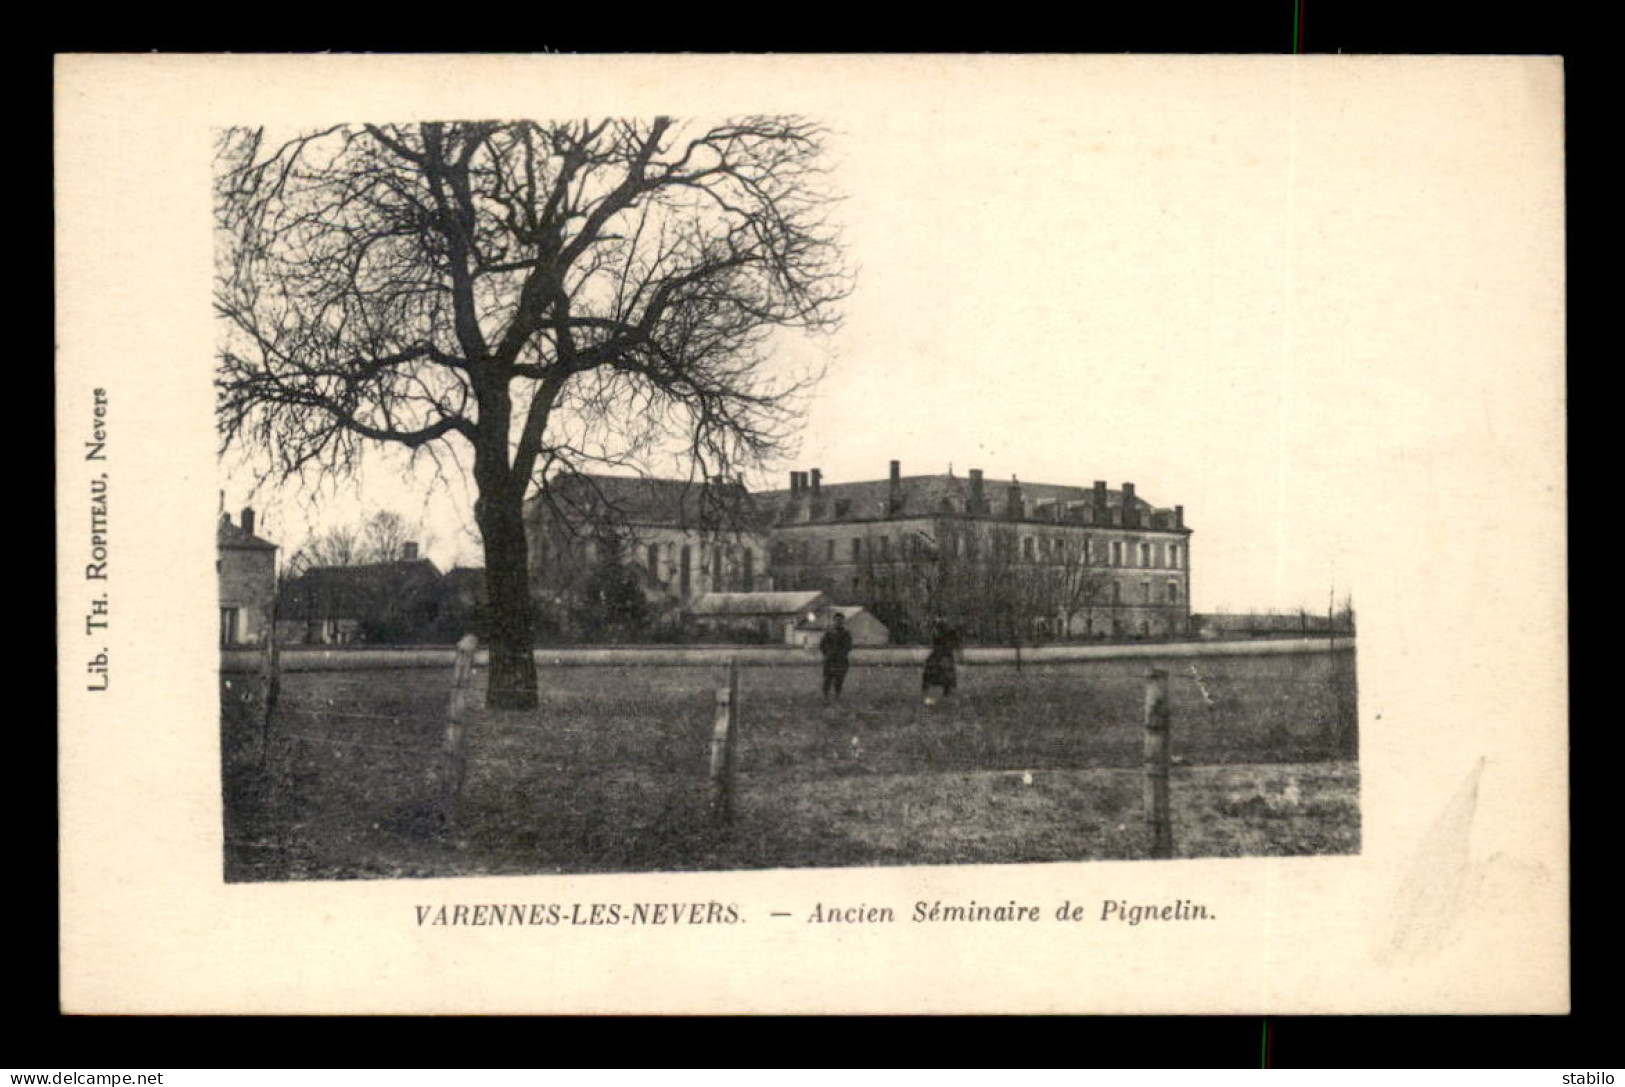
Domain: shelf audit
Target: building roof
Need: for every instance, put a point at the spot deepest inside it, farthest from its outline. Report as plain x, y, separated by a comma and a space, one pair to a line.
585, 498
229, 535
643, 501
334, 591
784, 604
848, 613
927, 495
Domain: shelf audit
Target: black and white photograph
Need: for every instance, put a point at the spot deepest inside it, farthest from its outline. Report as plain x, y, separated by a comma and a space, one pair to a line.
830, 510
651, 642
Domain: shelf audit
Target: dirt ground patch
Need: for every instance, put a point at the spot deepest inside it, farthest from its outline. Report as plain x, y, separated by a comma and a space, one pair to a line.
1060, 815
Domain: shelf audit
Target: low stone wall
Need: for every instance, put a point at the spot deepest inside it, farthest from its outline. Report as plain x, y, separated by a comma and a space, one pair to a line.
315, 659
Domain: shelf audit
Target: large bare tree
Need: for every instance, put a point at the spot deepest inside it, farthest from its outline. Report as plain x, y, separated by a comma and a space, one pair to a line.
528, 295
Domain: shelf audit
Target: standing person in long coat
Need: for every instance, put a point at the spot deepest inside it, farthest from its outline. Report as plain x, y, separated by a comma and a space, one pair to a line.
836, 646
939, 665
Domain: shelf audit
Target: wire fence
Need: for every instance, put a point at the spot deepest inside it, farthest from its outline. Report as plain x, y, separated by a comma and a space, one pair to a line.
679, 747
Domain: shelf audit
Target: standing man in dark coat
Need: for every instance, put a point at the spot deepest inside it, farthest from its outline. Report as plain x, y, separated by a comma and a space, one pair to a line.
939, 665
836, 645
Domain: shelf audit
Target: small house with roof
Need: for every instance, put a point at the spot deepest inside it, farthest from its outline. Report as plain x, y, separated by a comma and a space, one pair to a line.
758, 617
245, 566
859, 622
378, 603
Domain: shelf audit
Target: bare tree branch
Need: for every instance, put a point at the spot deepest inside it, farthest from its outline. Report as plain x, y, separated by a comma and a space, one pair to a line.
539, 294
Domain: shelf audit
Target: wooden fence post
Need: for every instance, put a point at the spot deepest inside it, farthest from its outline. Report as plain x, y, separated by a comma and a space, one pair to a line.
270, 689
1158, 816
1208, 701
456, 745
733, 691
722, 748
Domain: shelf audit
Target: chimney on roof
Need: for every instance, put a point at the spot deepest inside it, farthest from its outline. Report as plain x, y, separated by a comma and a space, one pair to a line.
1179, 516
894, 495
1100, 494
1131, 512
248, 520
409, 551
976, 490
795, 484
817, 479
1012, 500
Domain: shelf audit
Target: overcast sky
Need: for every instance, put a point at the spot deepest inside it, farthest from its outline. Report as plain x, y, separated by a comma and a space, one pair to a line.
1266, 293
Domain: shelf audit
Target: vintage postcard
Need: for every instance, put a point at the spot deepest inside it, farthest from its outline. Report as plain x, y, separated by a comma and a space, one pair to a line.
812, 534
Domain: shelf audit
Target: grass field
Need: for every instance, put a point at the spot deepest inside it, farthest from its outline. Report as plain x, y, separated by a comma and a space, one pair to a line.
610, 773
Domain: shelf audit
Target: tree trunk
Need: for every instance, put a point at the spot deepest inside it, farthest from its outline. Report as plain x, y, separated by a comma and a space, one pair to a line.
507, 592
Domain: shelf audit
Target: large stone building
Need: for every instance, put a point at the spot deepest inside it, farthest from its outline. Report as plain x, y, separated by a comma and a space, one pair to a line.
1025, 560
682, 539
246, 568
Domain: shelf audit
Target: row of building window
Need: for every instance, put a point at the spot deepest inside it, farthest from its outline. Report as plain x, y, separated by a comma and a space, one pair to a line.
1147, 555
1076, 512
732, 569
1170, 592
735, 568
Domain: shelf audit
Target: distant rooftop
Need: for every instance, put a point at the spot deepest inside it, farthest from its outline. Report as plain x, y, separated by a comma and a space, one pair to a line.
788, 603
229, 535
946, 492
637, 500
691, 504
353, 587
